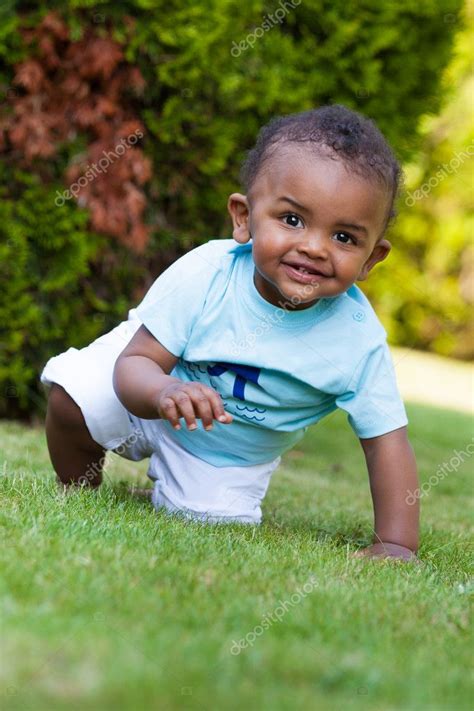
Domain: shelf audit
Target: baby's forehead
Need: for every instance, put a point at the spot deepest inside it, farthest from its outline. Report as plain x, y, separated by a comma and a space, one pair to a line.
309, 174
320, 181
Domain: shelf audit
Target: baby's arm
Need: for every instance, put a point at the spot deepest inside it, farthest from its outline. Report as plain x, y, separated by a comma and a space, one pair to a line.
143, 386
392, 473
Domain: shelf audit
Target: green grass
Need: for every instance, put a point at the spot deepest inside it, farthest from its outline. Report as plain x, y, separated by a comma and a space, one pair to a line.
109, 605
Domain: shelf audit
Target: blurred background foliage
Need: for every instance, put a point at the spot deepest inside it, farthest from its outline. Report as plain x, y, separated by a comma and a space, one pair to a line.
76, 76
424, 293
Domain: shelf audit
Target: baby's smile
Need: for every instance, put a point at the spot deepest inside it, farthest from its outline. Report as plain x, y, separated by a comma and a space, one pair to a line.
304, 272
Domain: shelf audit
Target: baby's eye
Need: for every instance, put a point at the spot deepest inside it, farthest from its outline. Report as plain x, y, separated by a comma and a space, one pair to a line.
344, 238
295, 218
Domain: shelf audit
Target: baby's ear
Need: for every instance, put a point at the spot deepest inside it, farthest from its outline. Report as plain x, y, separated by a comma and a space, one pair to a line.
379, 253
238, 207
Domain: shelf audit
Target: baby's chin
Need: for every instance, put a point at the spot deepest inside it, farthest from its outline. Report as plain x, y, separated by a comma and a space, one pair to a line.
302, 300
297, 301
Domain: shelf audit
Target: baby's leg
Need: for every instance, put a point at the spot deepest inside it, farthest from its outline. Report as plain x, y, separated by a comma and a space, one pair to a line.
76, 457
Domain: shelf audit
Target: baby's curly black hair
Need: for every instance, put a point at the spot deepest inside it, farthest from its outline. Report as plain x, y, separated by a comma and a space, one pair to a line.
351, 137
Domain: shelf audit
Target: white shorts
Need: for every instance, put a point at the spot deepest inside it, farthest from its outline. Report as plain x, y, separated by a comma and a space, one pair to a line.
183, 482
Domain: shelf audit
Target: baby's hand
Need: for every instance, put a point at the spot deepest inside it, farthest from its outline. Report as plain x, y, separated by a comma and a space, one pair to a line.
191, 400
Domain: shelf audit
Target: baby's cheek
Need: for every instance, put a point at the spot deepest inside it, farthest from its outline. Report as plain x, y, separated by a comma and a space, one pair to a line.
349, 270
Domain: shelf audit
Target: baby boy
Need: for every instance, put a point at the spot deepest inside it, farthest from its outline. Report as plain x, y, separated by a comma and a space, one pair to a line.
243, 343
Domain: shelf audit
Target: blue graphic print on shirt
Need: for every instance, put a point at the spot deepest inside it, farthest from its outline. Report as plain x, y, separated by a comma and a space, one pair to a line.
243, 373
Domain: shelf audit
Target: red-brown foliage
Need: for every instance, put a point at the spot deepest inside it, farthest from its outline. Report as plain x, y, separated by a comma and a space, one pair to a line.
82, 87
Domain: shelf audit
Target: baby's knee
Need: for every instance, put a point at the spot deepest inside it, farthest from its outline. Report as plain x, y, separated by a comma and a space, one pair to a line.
63, 409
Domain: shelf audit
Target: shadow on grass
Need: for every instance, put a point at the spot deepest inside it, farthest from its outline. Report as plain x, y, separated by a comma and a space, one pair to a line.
340, 532
124, 492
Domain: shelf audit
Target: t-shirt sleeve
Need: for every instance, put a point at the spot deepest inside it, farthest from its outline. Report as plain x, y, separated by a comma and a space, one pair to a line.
176, 299
372, 399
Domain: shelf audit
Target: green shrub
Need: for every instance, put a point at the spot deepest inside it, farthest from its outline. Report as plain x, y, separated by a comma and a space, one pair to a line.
425, 291
53, 292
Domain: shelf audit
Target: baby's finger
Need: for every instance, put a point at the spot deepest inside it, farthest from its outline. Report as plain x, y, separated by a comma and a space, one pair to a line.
169, 411
202, 406
218, 407
186, 408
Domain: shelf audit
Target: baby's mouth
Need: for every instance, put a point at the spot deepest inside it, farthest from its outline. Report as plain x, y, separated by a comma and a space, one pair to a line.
303, 272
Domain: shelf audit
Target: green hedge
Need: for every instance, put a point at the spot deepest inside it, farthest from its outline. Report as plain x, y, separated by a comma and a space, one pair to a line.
61, 286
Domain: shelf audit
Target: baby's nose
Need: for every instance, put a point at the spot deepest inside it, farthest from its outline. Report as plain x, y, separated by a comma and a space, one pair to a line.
314, 245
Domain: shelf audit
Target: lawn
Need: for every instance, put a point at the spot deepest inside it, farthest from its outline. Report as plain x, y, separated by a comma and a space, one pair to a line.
108, 605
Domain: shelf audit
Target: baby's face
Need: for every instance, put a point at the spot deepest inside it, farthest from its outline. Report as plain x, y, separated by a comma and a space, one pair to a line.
315, 228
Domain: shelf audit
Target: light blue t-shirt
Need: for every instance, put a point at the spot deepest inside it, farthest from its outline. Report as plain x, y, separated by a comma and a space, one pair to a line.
277, 371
